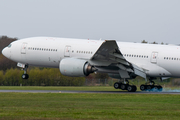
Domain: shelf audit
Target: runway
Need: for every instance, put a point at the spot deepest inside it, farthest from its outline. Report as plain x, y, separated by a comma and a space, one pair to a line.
98, 92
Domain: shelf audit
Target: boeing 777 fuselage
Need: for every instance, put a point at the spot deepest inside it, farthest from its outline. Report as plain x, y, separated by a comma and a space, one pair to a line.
77, 57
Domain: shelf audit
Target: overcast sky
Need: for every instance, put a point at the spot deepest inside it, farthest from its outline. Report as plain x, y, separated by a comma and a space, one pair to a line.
122, 20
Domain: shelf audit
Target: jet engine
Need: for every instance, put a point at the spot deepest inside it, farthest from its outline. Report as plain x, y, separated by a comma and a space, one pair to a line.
75, 67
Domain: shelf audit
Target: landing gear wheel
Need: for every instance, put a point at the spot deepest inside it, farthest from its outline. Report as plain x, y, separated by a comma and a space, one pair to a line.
149, 87
25, 76
123, 86
130, 88
117, 85
160, 88
155, 89
143, 87
134, 88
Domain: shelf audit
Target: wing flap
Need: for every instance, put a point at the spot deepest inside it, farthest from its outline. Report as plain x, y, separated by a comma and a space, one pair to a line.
109, 54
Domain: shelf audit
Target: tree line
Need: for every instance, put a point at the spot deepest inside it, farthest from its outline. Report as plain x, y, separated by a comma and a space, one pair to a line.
38, 77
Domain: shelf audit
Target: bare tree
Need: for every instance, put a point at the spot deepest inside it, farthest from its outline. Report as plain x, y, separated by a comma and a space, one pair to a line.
144, 41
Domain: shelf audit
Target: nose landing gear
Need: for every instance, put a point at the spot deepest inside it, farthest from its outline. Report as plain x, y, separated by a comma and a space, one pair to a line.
25, 75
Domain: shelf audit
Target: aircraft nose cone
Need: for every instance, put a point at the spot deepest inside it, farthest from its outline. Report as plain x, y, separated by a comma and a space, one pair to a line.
4, 52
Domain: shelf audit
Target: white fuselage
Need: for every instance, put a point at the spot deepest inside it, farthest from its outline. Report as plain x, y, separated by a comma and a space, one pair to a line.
156, 60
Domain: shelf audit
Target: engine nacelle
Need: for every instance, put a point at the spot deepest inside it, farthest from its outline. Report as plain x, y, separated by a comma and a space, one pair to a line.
75, 67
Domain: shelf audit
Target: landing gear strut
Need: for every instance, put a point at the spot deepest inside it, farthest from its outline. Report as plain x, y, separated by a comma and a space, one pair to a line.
150, 86
25, 75
124, 85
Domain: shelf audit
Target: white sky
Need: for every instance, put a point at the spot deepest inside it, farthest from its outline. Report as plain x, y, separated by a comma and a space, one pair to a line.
124, 20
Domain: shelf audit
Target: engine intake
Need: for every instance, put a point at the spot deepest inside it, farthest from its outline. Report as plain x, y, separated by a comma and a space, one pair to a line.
75, 67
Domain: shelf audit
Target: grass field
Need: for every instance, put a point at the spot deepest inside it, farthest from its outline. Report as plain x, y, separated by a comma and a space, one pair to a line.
76, 88
42, 106
56, 106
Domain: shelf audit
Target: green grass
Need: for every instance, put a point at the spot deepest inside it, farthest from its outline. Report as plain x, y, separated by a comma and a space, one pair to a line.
55, 106
76, 88
83, 88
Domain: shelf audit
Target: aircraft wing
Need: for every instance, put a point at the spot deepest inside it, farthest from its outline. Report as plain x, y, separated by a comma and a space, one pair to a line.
109, 55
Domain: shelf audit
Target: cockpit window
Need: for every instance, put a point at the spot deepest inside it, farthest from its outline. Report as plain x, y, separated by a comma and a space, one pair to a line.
9, 45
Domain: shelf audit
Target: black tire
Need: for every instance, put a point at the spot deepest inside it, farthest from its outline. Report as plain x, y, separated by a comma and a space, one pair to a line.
134, 88
160, 88
149, 87
143, 87
116, 85
123, 87
155, 89
130, 88
25, 76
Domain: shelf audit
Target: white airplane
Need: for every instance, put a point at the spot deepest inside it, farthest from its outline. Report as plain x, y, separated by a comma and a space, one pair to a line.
77, 57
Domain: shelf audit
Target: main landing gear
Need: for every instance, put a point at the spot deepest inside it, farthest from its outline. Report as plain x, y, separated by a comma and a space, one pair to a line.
150, 86
125, 86
25, 75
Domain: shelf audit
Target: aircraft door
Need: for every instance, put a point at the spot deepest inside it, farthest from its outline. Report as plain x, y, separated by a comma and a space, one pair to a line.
67, 51
154, 56
23, 48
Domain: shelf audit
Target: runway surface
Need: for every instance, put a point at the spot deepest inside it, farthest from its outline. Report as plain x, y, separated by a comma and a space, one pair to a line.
68, 91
